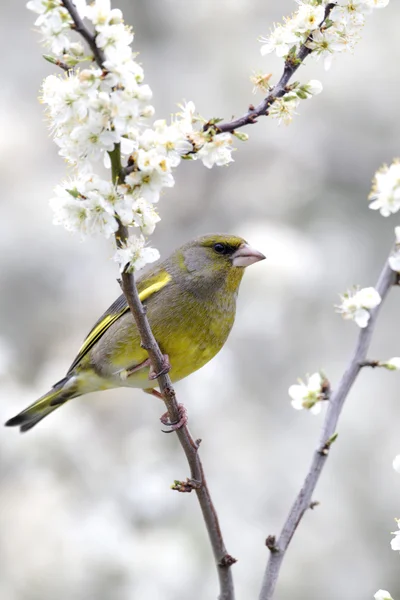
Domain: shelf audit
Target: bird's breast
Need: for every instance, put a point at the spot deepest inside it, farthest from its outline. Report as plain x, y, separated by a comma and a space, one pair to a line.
198, 337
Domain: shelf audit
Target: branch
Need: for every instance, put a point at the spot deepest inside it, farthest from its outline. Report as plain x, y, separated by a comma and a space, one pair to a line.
79, 27
386, 280
190, 447
292, 63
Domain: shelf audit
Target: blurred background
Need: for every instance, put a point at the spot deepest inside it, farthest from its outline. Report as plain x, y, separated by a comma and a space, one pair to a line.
86, 510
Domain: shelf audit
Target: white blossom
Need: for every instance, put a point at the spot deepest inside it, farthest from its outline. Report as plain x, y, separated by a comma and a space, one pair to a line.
308, 395
114, 39
280, 41
187, 117
135, 255
325, 44
396, 463
313, 87
284, 108
216, 152
171, 140
356, 305
55, 22
385, 193
144, 216
382, 595
149, 183
307, 18
395, 543
393, 364
100, 14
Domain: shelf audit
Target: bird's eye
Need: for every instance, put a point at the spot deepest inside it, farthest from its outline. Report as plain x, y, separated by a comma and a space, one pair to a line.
220, 248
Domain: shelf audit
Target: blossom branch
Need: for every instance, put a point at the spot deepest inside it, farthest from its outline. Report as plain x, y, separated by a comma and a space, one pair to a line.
292, 63
190, 447
303, 500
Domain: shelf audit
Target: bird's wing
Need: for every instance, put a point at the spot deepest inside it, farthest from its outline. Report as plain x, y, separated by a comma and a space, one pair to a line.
147, 287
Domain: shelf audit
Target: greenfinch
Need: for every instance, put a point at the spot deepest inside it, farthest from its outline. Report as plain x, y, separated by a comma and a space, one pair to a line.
190, 301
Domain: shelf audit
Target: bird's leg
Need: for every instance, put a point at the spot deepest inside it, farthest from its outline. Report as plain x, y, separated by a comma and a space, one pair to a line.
155, 393
131, 370
165, 417
166, 367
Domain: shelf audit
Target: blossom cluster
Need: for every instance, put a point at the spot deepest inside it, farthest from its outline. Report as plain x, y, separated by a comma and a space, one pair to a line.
355, 305
284, 108
324, 29
96, 110
310, 394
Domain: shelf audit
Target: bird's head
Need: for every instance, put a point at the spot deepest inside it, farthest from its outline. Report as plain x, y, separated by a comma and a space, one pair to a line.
216, 258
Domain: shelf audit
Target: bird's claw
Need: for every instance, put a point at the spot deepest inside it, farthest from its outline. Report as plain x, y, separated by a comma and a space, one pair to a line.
177, 424
166, 367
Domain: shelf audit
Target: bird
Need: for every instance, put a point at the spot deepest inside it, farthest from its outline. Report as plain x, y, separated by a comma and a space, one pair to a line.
190, 302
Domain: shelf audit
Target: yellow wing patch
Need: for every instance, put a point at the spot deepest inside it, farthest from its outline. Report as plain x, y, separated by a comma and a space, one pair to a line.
155, 287
110, 317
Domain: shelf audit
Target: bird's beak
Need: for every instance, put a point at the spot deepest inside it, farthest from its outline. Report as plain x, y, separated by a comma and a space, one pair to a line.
245, 255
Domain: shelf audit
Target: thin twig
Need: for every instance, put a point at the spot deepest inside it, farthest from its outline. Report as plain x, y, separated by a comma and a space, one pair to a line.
190, 447
58, 63
81, 28
386, 280
279, 90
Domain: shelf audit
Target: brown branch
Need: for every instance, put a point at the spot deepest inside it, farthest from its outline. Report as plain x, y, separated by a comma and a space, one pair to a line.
292, 63
198, 480
190, 447
370, 363
303, 501
81, 28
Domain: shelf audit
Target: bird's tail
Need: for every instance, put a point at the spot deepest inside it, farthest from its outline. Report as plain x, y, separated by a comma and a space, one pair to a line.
60, 393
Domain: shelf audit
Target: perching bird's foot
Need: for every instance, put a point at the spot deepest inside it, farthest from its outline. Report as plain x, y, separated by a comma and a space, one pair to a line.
131, 370
166, 367
178, 424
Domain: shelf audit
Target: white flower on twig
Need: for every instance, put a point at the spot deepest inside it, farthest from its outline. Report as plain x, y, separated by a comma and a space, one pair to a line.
393, 364
310, 394
135, 255
385, 193
356, 305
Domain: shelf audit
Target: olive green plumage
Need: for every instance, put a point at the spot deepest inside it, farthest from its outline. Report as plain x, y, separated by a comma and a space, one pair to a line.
190, 300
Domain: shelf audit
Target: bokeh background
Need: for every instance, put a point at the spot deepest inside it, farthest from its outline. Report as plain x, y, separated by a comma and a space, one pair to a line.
86, 512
